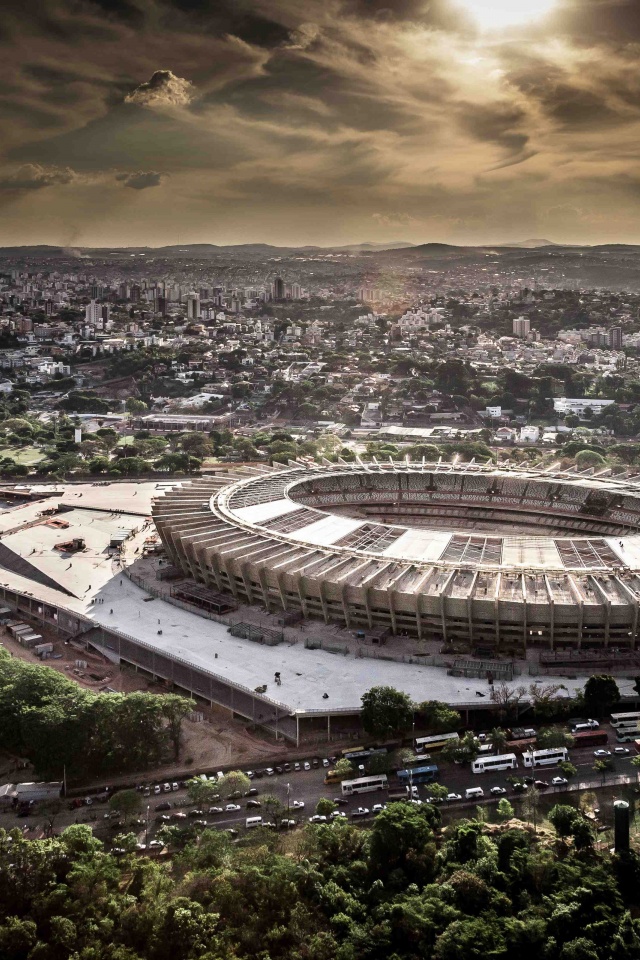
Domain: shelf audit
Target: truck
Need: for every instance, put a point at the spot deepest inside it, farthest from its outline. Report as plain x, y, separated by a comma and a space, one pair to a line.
26, 792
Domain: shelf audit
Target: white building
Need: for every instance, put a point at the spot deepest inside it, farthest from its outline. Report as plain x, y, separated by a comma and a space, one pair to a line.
529, 434
521, 327
577, 407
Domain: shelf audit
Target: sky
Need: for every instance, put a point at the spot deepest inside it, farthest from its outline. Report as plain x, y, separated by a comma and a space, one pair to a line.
293, 122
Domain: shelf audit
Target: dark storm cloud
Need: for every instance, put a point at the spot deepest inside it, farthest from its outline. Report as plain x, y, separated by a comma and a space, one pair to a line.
501, 125
33, 177
141, 180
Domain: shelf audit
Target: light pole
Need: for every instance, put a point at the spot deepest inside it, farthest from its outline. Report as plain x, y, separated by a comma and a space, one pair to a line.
146, 829
288, 796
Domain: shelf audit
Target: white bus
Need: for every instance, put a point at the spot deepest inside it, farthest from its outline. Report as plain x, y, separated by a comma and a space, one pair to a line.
505, 761
545, 758
625, 720
365, 785
627, 734
436, 742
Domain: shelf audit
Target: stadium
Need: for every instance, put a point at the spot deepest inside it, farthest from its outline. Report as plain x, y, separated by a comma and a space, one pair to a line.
482, 558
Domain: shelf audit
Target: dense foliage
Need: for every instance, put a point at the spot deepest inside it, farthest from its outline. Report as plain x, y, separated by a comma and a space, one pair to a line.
401, 889
57, 724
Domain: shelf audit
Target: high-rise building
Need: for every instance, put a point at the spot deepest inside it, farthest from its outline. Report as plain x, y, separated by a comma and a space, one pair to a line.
161, 305
193, 306
278, 288
521, 327
368, 294
615, 339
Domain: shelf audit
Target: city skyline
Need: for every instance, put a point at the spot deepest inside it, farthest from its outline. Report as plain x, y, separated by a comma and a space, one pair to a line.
145, 122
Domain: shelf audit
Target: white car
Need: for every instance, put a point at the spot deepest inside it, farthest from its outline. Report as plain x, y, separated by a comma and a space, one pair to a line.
377, 807
166, 787
338, 813
318, 818
156, 845
216, 810
296, 765
361, 812
621, 751
559, 782
298, 804
269, 771
602, 753
498, 791
157, 789
232, 807
450, 797
307, 765
325, 763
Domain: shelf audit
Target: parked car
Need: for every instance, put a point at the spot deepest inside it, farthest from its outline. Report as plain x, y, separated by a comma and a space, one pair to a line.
236, 795
315, 763
541, 784
341, 801
296, 766
307, 765
360, 812
163, 818
559, 781
325, 762
317, 818
200, 823
298, 804
269, 771
165, 805
253, 803
156, 845
519, 787
286, 767
232, 807
602, 753
287, 824
250, 774
253, 792
231, 832
180, 815
451, 797
376, 808
338, 813
621, 751
497, 791
198, 813
213, 810
279, 769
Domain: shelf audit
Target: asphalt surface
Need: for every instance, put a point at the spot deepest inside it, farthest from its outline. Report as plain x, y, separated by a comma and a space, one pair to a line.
308, 786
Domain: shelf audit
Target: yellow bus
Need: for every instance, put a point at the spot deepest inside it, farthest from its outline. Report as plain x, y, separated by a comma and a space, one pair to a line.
333, 776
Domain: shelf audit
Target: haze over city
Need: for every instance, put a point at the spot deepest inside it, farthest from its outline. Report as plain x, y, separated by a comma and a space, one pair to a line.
143, 122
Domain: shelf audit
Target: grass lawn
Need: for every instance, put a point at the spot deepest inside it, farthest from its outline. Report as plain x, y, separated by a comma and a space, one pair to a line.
27, 455
126, 441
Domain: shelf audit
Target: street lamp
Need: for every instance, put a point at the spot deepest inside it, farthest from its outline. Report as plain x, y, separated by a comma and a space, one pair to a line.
288, 795
146, 829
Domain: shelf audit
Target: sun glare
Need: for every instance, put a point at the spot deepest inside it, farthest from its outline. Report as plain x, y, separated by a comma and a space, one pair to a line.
500, 14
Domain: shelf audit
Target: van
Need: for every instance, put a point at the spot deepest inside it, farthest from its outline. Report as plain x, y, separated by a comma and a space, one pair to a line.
473, 793
588, 725
412, 791
253, 822
529, 732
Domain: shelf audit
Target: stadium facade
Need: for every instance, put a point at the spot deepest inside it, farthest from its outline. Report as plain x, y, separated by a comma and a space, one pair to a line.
476, 556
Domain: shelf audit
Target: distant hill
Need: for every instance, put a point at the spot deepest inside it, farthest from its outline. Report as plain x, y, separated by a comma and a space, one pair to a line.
530, 244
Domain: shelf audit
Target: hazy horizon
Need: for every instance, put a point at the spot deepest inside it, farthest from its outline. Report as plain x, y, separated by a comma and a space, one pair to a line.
468, 122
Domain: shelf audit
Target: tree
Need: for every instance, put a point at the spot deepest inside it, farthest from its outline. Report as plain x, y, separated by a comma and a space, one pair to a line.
344, 768
603, 766
507, 699
133, 405
273, 808
504, 809
201, 791
553, 737
531, 806
126, 802
463, 750
174, 710
386, 712
326, 807
567, 769
499, 739
601, 693
440, 717
232, 782
437, 791
635, 762
401, 837
562, 818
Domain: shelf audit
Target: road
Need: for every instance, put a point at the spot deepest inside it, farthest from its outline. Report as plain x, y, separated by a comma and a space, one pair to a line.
309, 787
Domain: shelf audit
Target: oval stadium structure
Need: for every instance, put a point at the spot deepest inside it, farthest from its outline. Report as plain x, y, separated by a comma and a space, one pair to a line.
476, 556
